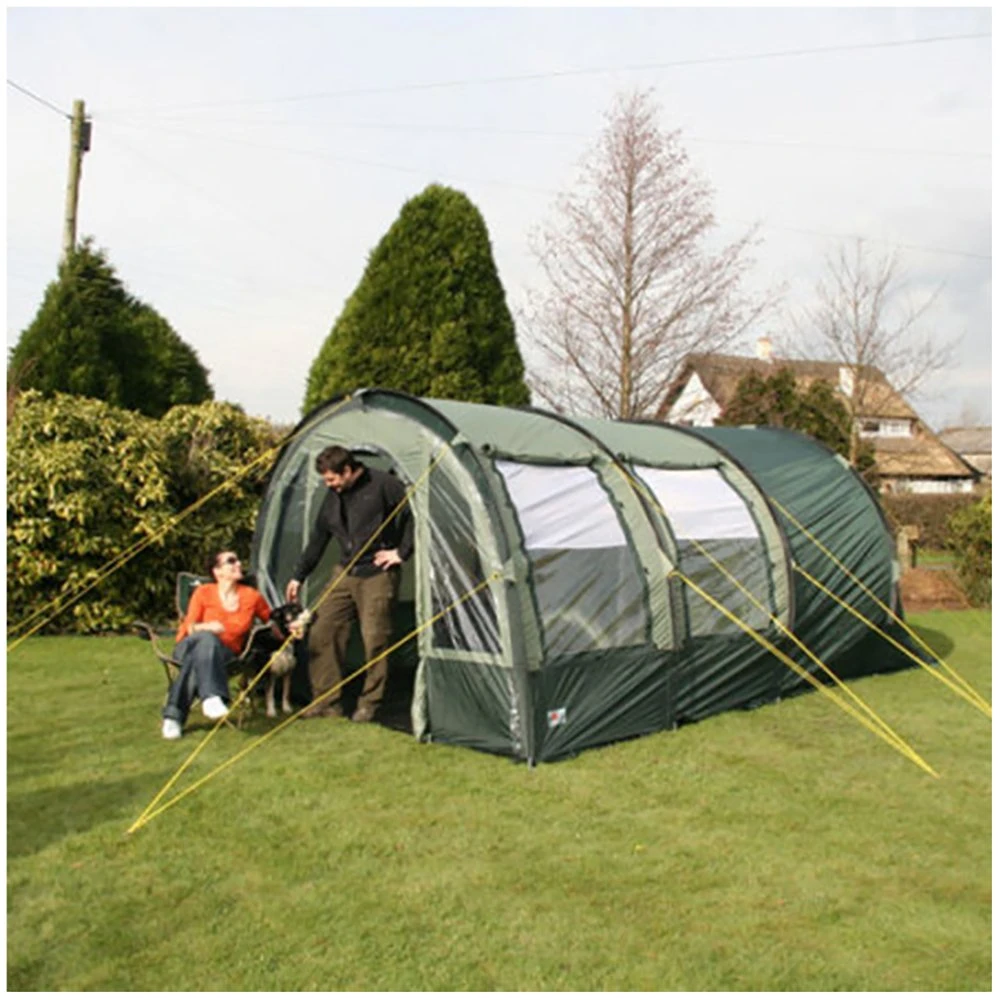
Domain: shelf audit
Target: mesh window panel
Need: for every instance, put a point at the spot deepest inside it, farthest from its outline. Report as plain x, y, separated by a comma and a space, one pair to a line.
455, 569
746, 560
588, 585
714, 528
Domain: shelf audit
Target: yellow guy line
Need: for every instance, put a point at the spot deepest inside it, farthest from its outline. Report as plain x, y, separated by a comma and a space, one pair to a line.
124, 557
133, 550
885, 635
892, 737
789, 662
326, 593
967, 690
150, 815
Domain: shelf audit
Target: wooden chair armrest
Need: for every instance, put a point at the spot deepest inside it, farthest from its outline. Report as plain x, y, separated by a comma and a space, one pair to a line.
145, 631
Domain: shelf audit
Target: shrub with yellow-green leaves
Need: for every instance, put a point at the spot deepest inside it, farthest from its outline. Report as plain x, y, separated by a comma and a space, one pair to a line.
90, 484
970, 537
215, 451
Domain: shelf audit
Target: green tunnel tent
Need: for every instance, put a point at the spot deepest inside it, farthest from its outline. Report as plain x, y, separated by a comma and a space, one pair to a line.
582, 635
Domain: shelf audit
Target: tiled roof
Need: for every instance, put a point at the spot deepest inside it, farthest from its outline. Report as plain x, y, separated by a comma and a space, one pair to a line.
721, 373
920, 455
968, 440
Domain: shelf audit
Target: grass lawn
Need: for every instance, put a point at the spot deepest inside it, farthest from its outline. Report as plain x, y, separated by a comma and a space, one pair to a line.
931, 558
780, 849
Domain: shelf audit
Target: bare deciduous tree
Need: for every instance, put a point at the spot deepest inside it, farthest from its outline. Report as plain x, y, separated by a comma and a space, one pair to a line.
631, 288
859, 321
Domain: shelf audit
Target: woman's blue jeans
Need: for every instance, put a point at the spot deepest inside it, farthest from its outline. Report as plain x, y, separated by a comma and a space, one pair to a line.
203, 658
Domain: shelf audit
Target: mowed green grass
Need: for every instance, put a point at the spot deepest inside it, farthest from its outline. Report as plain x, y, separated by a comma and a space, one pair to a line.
780, 849
930, 558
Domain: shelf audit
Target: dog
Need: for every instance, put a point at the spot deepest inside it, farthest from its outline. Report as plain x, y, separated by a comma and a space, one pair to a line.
288, 620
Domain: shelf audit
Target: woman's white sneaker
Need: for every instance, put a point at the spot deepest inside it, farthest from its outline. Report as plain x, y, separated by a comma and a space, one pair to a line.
171, 729
214, 707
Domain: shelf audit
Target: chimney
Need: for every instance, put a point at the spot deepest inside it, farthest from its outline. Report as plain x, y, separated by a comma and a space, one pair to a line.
764, 348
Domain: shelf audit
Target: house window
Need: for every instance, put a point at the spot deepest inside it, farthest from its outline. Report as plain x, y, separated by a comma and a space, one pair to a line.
880, 427
934, 486
896, 428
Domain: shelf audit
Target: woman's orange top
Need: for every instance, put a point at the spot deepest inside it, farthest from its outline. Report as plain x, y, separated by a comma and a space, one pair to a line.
206, 606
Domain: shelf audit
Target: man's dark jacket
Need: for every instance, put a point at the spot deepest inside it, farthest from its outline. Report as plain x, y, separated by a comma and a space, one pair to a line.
353, 516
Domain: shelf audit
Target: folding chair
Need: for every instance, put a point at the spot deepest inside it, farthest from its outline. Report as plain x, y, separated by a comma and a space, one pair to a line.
242, 669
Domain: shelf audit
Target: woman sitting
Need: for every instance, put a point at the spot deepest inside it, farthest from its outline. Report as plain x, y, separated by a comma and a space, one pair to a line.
211, 635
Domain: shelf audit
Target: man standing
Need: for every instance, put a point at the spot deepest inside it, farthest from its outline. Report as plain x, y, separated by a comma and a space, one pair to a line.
357, 505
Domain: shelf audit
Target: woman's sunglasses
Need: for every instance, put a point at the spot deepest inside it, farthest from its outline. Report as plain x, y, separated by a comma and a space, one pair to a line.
229, 560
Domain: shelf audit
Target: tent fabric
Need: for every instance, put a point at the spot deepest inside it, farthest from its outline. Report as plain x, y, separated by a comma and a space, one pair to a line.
584, 632
829, 499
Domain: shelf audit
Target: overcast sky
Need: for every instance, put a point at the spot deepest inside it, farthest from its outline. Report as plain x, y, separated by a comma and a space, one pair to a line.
245, 162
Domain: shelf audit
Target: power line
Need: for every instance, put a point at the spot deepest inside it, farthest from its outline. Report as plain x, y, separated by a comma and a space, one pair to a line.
340, 158
556, 134
835, 147
859, 236
555, 74
41, 100
322, 155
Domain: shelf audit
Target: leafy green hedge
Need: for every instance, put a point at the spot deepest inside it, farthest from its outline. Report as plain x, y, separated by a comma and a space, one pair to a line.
88, 482
929, 511
970, 537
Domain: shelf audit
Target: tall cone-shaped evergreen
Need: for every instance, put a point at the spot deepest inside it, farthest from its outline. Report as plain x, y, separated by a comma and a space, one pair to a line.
429, 316
90, 337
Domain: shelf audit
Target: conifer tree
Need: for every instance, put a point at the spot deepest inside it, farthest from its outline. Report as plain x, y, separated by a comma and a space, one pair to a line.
429, 316
90, 337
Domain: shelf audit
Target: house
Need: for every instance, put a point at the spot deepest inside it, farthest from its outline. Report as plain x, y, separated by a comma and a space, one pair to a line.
909, 457
974, 445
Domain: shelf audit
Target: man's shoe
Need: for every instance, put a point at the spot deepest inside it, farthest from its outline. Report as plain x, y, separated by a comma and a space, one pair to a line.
171, 729
323, 712
214, 707
363, 713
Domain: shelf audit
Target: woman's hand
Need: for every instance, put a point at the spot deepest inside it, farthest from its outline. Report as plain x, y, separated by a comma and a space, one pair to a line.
215, 627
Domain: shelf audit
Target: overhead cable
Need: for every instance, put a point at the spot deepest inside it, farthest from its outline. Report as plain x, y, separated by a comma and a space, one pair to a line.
338, 158
40, 100
551, 134
554, 74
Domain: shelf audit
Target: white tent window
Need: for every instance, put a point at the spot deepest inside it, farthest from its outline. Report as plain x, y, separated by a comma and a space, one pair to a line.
562, 507
699, 503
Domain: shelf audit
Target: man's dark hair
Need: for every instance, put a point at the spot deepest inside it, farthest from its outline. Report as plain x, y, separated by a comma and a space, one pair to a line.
336, 459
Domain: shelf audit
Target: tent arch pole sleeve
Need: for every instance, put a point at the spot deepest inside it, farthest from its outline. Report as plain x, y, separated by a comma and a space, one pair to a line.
525, 626
669, 552
778, 575
643, 541
466, 471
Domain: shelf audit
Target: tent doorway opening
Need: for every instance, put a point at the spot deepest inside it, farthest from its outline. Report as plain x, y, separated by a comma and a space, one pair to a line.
394, 711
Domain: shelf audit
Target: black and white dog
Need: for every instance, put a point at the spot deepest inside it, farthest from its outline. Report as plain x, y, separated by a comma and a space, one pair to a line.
288, 620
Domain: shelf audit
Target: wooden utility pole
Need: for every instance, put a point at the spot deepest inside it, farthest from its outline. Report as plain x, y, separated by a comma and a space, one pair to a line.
79, 143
